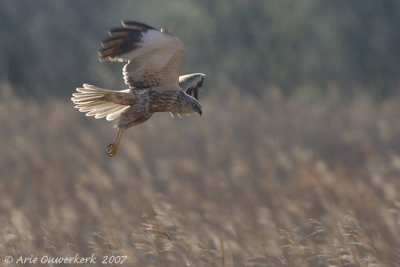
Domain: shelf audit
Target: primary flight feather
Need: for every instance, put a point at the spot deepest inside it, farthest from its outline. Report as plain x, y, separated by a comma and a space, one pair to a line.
154, 58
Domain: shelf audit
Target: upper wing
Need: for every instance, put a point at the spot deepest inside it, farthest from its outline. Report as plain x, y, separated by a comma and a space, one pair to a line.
191, 83
154, 57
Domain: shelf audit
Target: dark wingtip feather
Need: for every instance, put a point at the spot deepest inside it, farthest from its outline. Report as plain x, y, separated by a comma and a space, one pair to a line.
107, 54
201, 81
112, 41
119, 31
122, 40
136, 25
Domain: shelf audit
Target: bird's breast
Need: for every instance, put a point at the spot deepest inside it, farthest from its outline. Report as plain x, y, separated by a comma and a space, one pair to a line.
163, 100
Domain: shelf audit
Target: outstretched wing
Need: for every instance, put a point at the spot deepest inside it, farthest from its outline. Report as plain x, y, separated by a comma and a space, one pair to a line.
154, 56
191, 83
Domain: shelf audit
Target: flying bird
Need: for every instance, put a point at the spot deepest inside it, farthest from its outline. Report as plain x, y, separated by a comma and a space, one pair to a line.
154, 58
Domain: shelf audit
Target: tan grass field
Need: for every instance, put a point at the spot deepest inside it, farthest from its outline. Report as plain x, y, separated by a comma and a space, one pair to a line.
265, 181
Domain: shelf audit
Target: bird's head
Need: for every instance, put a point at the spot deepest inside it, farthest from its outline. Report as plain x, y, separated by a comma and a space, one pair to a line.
190, 104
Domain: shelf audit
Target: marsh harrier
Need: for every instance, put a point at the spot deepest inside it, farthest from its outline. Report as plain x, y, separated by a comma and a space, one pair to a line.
154, 58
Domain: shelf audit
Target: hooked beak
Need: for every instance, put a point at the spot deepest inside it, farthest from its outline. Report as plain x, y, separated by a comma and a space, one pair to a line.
199, 111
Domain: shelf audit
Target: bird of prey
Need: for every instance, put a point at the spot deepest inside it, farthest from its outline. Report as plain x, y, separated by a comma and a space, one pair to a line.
154, 58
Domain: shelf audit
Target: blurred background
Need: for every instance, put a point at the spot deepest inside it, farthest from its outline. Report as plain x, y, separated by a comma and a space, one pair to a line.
295, 161
287, 44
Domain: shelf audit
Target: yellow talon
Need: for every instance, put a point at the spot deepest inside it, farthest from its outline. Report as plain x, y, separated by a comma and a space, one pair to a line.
112, 148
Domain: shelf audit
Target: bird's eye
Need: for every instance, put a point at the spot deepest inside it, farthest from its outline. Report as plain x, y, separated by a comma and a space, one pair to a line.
193, 105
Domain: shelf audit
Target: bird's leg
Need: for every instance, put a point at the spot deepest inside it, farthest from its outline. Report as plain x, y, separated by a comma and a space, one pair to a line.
113, 147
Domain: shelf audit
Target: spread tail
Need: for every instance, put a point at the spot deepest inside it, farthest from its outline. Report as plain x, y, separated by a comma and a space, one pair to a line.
97, 102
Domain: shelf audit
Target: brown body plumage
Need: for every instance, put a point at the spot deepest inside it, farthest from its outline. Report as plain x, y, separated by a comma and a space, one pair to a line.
146, 102
152, 73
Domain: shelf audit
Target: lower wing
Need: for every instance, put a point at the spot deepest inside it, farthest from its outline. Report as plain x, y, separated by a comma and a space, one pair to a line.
191, 83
